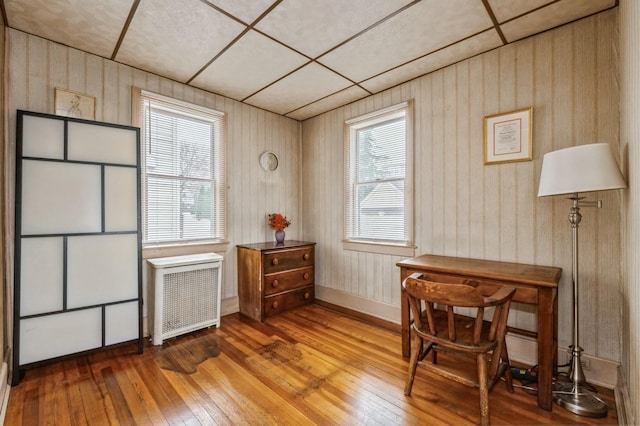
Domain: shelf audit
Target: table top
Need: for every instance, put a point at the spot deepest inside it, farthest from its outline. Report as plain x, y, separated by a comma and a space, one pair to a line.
270, 245
535, 275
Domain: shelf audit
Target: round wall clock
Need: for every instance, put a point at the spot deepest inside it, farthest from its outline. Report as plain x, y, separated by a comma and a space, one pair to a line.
269, 161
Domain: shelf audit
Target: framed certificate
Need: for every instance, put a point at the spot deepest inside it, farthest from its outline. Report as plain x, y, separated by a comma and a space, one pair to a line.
508, 137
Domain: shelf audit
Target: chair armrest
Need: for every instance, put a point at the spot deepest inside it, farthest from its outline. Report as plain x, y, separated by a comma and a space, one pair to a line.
504, 293
415, 275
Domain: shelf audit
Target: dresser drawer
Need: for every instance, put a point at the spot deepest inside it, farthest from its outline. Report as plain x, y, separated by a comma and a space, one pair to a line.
288, 280
282, 301
283, 260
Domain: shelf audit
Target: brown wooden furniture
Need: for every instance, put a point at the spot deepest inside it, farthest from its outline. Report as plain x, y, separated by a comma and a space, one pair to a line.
274, 277
535, 285
459, 335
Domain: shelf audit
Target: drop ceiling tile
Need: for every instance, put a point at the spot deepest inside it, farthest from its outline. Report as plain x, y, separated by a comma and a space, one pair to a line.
247, 11
312, 27
423, 28
89, 26
552, 16
465, 49
507, 9
343, 97
176, 38
250, 64
306, 85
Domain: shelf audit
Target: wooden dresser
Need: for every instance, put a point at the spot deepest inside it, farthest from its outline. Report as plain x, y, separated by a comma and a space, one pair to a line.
274, 277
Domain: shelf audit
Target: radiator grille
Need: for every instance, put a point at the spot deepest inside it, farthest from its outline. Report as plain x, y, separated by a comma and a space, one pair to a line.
186, 294
189, 299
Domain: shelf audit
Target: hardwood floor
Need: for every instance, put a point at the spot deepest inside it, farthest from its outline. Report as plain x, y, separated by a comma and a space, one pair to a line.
311, 365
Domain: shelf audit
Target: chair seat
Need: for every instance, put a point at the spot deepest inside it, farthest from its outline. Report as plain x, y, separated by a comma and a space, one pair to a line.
464, 331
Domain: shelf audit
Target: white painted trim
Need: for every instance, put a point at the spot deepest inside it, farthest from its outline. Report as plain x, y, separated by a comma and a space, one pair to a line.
5, 389
229, 305
380, 248
380, 310
623, 401
601, 372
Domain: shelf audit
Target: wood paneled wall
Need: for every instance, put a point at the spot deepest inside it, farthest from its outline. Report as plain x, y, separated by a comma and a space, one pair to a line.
464, 208
630, 143
3, 205
37, 66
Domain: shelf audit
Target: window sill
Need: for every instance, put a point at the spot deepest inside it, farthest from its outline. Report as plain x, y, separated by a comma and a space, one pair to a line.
380, 248
164, 250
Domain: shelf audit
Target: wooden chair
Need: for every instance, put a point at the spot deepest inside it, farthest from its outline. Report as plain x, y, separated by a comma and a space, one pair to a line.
437, 330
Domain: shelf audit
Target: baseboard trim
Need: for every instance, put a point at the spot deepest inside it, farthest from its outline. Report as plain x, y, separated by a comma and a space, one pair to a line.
5, 389
623, 402
384, 311
369, 319
230, 305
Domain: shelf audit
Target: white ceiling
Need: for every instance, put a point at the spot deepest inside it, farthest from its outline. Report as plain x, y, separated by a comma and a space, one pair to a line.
296, 58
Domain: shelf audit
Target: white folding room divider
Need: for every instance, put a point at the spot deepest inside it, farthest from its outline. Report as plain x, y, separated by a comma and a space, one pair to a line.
78, 276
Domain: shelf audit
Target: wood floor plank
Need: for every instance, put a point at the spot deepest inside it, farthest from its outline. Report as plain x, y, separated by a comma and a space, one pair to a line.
308, 366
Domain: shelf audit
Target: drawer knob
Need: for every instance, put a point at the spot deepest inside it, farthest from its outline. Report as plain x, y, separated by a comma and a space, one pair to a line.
306, 276
275, 283
275, 305
306, 256
306, 295
275, 261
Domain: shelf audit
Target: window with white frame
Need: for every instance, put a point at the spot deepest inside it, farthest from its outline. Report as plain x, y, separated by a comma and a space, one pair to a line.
378, 177
183, 170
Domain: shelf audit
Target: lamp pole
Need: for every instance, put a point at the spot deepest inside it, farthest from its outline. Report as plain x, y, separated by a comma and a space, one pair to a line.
575, 395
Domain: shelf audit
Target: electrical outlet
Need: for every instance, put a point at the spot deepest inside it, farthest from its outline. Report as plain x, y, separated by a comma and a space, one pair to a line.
586, 363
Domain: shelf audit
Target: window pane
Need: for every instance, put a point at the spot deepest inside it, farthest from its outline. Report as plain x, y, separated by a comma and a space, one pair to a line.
381, 151
380, 211
178, 209
178, 145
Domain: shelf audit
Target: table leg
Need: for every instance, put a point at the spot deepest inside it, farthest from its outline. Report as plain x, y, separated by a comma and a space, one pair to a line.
404, 325
546, 335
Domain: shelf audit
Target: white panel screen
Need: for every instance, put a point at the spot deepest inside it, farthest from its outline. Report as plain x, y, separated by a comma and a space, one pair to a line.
121, 323
60, 198
41, 275
56, 335
101, 269
43, 137
121, 199
102, 144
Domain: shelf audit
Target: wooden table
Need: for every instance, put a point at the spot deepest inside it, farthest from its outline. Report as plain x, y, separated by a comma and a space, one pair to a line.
535, 285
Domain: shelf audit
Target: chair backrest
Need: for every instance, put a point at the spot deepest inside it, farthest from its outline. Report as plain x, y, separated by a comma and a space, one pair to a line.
451, 295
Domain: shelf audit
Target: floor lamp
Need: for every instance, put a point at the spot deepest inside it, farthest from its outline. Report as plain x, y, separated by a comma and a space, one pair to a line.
583, 168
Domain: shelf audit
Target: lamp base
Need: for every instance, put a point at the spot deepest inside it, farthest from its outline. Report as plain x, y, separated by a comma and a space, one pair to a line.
578, 399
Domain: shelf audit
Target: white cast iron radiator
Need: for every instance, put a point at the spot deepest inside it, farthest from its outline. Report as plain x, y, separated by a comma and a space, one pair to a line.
186, 294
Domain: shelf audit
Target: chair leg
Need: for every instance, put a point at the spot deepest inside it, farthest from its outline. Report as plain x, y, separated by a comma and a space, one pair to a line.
413, 362
508, 379
484, 389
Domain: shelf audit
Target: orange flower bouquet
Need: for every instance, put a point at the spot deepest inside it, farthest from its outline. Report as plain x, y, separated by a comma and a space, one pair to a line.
278, 221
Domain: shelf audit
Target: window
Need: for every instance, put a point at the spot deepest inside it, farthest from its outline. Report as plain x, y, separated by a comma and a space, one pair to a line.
378, 171
183, 175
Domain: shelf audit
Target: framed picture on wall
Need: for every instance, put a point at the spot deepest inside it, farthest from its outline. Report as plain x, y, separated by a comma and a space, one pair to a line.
74, 104
508, 137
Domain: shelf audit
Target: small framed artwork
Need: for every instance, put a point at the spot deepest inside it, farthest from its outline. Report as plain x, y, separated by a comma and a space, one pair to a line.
508, 137
74, 104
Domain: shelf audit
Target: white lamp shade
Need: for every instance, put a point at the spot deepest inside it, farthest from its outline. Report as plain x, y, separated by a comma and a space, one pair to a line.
582, 168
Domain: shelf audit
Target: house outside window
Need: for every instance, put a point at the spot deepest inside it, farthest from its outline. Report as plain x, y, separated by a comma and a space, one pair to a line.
378, 179
183, 176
